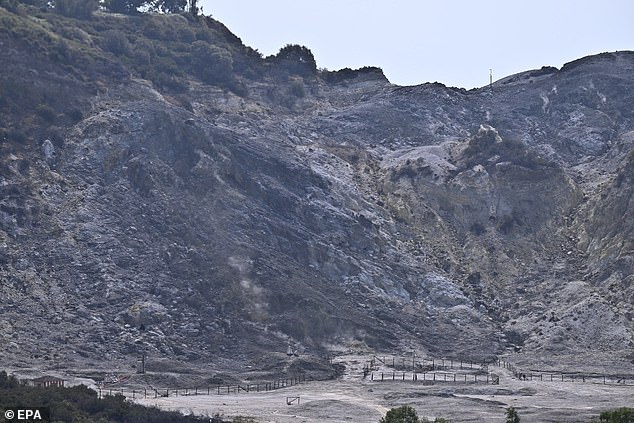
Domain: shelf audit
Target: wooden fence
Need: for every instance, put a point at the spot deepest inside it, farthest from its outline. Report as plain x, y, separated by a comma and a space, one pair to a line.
438, 370
423, 365
554, 376
434, 377
209, 390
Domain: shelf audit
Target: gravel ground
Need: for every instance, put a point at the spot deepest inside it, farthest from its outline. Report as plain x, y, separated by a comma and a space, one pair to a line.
351, 399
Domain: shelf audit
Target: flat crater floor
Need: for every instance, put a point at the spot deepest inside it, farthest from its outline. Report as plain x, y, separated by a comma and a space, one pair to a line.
355, 399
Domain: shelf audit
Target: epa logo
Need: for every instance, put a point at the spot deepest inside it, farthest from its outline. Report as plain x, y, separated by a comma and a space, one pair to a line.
27, 414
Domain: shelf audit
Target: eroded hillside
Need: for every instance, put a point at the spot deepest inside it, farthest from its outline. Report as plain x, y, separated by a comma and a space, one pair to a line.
148, 204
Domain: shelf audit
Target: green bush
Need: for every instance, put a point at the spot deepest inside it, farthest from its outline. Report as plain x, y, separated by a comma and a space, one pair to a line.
512, 416
296, 59
46, 113
212, 64
404, 414
81, 404
81, 9
621, 415
124, 6
153, 29
296, 88
115, 42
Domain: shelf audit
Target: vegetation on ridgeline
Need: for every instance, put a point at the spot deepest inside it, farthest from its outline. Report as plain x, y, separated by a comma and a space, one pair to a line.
87, 44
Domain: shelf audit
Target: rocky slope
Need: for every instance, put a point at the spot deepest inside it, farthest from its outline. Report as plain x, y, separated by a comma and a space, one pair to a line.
325, 210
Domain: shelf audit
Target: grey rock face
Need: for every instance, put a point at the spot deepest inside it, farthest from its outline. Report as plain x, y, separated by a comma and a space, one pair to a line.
463, 223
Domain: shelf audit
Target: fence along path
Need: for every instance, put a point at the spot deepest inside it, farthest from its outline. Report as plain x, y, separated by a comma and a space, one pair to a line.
555, 376
427, 370
209, 390
430, 370
397, 369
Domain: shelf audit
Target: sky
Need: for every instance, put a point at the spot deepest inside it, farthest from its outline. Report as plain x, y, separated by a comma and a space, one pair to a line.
455, 42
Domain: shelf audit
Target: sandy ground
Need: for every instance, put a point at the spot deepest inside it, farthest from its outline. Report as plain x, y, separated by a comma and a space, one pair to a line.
352, 399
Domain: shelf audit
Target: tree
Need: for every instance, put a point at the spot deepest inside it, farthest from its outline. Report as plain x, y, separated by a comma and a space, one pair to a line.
170, 6
127, 7
38, 3
193, 8
296, 59
81, 9
404, 414
512, 416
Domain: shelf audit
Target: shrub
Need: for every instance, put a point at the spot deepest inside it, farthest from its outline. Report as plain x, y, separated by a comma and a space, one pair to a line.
10, 5
153, 29
296, 88
46, 112
81, 404
17, 136
37, 3
296, 59
186, 35
211, 64
81, 9
404, 414
75, 114
512, 416
115, 42
124, 6
621, 415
